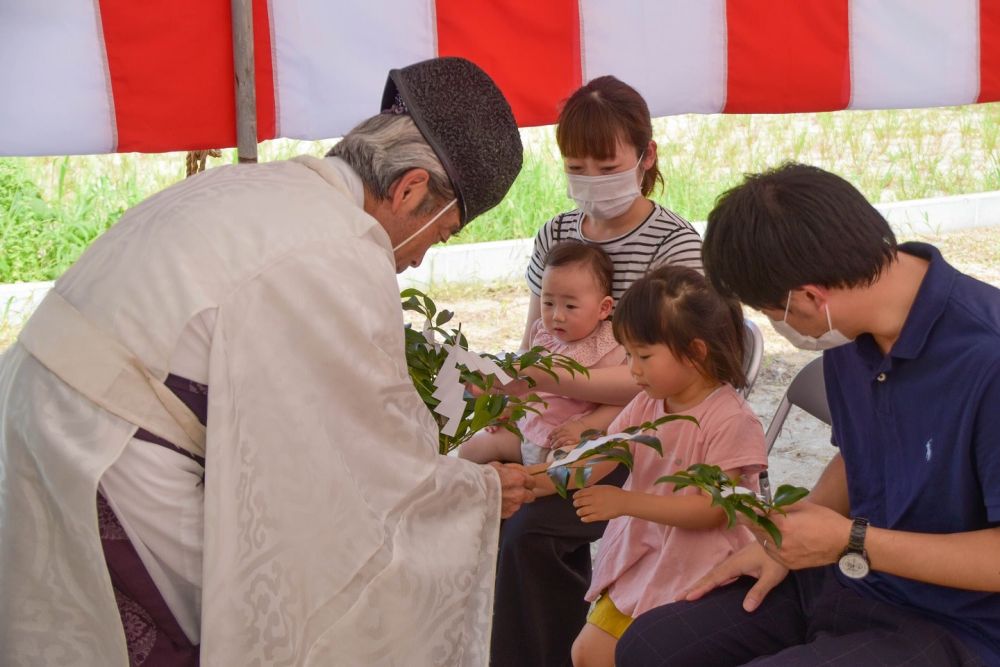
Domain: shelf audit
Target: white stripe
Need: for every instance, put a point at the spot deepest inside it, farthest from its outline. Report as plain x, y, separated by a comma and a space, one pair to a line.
914, 53
332, 58
53, 83
672, 51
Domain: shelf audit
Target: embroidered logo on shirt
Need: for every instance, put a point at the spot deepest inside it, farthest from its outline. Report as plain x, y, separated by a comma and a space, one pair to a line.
928, 448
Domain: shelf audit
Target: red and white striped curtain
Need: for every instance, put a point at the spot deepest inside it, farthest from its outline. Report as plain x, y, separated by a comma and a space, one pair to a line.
97, 76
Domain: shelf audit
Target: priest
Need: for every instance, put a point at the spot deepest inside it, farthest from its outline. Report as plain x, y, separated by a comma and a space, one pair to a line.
210, 448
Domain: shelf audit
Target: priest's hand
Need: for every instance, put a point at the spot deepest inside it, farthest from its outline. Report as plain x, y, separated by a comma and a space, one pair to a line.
516, 485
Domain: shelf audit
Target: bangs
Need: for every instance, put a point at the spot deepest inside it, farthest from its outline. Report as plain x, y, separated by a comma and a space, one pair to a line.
639, 316
589, 129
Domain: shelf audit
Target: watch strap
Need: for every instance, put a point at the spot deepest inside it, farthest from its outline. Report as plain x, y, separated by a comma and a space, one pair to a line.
859, 528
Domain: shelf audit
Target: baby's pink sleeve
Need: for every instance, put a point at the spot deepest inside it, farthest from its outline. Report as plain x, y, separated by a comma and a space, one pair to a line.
615, 357
535, 327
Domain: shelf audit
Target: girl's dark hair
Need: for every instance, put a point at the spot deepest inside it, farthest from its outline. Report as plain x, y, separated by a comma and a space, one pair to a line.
593, 257
791, 226
674, 306
600, 113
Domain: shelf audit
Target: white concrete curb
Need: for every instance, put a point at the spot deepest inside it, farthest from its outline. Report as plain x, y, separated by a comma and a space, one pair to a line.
506, 260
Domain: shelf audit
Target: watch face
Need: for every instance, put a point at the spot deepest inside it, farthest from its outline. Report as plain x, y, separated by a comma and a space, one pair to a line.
854, 565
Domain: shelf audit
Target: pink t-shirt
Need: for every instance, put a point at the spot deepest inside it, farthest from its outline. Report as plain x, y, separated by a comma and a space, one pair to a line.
644, 564
599, 349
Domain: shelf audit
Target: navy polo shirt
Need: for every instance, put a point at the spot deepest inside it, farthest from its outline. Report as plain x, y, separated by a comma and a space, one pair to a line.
919, 431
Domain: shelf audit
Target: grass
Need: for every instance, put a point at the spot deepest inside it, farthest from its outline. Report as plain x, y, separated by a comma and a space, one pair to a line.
52, 208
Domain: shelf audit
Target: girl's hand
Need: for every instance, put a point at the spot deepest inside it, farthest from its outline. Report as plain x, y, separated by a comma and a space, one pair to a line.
600, 503
501, 419
518, 387
567, 434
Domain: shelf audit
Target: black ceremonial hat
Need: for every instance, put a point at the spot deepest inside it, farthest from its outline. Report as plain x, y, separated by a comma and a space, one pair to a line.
467, 121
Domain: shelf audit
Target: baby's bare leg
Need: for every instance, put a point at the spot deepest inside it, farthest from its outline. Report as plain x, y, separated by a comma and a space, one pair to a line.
500, 445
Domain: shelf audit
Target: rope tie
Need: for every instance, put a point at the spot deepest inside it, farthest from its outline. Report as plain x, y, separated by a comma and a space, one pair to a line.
196, 160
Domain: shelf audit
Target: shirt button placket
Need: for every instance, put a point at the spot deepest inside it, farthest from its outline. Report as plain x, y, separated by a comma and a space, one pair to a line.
886, 435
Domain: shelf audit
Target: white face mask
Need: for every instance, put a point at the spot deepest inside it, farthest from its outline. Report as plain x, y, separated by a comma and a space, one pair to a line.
605, 197
830, 339
428, 224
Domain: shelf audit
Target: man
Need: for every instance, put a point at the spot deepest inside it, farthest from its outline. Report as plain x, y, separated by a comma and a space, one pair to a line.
224, 371
892, 558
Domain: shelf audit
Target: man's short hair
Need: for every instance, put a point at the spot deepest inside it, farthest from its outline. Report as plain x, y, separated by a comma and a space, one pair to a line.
791, 226
383, 148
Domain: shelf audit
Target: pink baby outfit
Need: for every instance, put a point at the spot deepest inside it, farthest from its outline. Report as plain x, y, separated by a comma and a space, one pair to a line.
643, 564
598, 350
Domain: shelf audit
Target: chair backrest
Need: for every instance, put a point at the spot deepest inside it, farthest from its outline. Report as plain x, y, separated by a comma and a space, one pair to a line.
806, 391
754, 353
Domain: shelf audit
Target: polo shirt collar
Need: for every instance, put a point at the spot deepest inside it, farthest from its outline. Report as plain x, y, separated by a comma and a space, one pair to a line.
929, 305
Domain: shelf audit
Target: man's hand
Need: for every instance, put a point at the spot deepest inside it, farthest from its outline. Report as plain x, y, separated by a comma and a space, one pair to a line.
516, 485
751, 560
566, 434
811, 535
600, 503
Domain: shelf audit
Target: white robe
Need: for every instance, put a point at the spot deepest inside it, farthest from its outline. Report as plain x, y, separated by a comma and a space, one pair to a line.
334, 533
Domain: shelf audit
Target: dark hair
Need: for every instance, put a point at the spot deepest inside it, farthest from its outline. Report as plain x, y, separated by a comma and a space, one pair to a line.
600, 113
593, 257
791, 226
674, 306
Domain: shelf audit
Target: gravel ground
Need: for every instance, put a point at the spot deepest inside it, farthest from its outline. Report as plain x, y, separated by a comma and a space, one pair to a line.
493, 319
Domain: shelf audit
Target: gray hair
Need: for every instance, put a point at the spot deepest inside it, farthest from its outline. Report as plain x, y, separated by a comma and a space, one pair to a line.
383, 148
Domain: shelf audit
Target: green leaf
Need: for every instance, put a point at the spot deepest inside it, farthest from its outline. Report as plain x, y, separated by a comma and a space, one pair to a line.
679, 481
560, 479
787, 494
730, 515
649, 441
529, 358
412, 304
480, 413
771, 529
670, 418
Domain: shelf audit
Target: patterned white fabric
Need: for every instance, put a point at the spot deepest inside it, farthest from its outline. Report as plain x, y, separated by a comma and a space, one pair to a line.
326, 505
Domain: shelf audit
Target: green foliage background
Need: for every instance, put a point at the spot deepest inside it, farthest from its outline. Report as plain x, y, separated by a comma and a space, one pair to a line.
52, 208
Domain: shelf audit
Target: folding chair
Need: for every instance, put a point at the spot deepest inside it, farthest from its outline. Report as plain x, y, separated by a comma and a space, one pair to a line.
808, 392
754, 354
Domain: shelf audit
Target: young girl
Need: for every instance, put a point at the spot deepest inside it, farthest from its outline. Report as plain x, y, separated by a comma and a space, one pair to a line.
576, 303
685, 347
605, 135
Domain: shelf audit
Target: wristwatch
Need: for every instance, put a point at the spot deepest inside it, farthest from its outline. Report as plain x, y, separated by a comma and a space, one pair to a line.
854, 561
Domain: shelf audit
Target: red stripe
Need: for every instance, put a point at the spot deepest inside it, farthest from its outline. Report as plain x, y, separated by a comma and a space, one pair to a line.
787, 56
263, 71
989, 51
531, 49
171, 69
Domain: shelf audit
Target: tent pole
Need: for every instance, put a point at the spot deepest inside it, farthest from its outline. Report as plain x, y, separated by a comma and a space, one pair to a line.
246, 95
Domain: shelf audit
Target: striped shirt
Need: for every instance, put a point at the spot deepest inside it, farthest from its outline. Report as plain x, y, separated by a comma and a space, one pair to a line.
663, 238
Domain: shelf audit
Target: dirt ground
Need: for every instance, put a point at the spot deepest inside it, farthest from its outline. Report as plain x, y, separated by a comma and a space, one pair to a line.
493, 319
